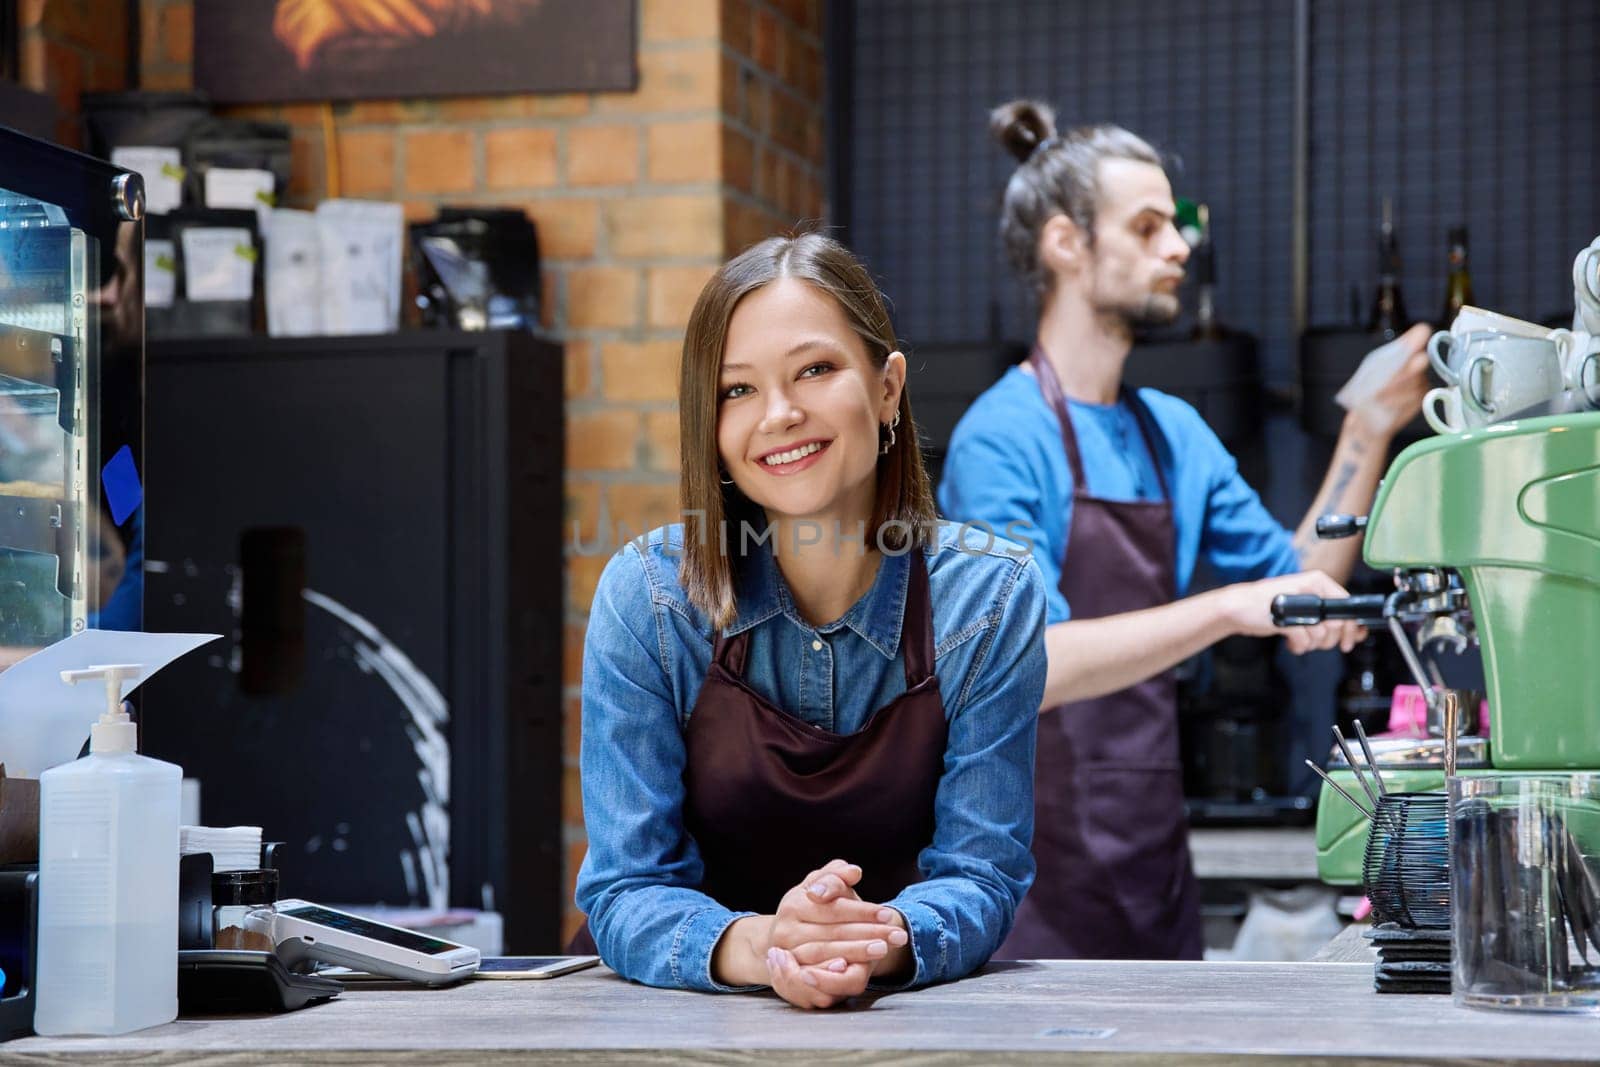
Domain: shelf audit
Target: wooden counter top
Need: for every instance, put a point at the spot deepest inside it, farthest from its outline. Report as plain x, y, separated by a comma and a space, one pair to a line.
1098, 1012
1349, 946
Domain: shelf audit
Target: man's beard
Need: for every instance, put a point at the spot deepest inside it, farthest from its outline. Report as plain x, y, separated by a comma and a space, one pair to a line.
1156, 309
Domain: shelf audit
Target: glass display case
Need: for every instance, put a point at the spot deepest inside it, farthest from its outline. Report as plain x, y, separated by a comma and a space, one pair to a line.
71, 395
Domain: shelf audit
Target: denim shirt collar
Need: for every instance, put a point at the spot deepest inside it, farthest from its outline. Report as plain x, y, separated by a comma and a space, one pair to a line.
876, 618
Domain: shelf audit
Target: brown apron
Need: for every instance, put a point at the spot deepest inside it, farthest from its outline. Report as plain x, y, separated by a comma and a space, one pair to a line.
769, 797
1110, 834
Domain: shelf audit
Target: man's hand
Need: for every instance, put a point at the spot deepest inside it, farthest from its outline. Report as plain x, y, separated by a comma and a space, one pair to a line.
1249, 609
1398, 400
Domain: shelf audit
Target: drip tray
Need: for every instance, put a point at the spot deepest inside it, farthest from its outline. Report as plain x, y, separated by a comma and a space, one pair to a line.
1424, 752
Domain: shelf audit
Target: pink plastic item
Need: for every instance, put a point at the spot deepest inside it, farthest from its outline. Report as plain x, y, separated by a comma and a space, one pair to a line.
1362, 910
1408, 713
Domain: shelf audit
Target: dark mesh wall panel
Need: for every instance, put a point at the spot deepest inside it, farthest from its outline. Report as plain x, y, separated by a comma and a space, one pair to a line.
1472, 111
1208, 81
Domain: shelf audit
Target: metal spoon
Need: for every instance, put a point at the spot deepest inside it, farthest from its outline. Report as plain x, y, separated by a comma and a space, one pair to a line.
1366, 750
1452, 715
1350, 759
1341, 789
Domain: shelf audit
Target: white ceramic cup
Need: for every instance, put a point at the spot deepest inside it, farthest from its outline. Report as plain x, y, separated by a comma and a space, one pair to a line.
1441, 409
1583, 370
1472, 319
1445, 348
1505, 375
1586, 287
1500, 375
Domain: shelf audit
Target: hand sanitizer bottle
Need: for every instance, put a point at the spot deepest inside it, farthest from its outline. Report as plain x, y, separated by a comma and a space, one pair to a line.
108, 880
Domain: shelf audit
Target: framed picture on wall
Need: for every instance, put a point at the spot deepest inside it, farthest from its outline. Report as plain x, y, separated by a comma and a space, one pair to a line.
259, 51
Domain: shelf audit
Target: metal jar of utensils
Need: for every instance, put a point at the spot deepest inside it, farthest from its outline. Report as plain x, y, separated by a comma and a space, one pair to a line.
1407, 864
1406, 871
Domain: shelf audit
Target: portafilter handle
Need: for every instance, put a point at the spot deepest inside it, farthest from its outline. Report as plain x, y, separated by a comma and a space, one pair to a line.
1335, 527
1304, 609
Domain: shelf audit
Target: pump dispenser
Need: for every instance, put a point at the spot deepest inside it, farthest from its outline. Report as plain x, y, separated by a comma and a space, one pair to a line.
115, 732
108, 880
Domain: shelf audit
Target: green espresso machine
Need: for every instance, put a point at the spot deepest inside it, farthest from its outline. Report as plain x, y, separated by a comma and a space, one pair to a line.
1494, 537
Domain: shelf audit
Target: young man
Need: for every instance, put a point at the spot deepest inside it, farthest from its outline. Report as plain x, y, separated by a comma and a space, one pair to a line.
1122, 492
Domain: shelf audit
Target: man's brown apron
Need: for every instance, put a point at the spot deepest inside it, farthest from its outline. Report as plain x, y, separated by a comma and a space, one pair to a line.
1110, 834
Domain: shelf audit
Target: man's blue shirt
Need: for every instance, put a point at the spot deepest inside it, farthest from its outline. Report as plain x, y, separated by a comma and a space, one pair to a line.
1006, 465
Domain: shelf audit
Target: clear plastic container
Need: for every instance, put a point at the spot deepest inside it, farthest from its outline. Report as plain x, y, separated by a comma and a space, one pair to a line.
108, 895
1525, 892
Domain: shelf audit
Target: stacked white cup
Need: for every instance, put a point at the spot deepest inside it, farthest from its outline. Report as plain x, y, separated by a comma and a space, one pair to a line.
1586, 321
1496, 367
1586, 290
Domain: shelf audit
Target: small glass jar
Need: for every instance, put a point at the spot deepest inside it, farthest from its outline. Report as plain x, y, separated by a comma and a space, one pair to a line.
235, 894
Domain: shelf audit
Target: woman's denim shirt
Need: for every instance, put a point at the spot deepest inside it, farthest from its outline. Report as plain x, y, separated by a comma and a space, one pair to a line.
645, 657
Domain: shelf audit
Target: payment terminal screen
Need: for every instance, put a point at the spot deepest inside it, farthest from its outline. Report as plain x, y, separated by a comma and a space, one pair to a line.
390, 935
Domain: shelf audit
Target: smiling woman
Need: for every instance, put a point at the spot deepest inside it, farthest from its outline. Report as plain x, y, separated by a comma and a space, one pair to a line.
790, 348
807, 737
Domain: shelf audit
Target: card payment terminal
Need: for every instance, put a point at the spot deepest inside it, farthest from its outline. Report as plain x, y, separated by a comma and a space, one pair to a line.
303, 931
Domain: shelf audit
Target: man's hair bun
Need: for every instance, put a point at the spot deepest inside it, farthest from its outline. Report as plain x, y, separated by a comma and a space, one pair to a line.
1021, 126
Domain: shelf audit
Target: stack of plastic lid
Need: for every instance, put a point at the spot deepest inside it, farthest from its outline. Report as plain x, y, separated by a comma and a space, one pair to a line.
1410, 960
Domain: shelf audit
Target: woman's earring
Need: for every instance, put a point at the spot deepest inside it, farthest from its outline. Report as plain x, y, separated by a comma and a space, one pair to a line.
724, 481
884, 451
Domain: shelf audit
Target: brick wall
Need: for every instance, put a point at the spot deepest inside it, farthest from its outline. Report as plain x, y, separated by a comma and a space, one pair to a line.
638, 196
67, 47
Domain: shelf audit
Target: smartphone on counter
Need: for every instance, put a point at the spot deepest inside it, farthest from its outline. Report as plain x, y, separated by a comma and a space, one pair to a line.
532, 966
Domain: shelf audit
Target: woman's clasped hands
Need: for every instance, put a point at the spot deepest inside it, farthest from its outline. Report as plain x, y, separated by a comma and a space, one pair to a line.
826, 943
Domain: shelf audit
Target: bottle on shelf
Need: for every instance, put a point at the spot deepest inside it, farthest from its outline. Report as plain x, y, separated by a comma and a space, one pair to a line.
1204, 258
1458, 284
1388, 307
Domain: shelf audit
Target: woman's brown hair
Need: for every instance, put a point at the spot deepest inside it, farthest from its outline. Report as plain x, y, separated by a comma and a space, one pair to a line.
1057, 174
904, 511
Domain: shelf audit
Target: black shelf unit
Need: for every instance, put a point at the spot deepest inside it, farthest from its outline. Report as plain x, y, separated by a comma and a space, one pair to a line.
388, 691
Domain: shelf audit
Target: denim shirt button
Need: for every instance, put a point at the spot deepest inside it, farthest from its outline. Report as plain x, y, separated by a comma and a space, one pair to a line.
816, 646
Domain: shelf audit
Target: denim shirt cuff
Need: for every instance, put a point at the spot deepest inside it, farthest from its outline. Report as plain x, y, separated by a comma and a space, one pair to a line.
693, 946
929, 946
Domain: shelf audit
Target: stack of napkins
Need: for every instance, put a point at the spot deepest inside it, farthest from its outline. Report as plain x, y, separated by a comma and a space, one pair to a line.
1381, 364
232, 848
